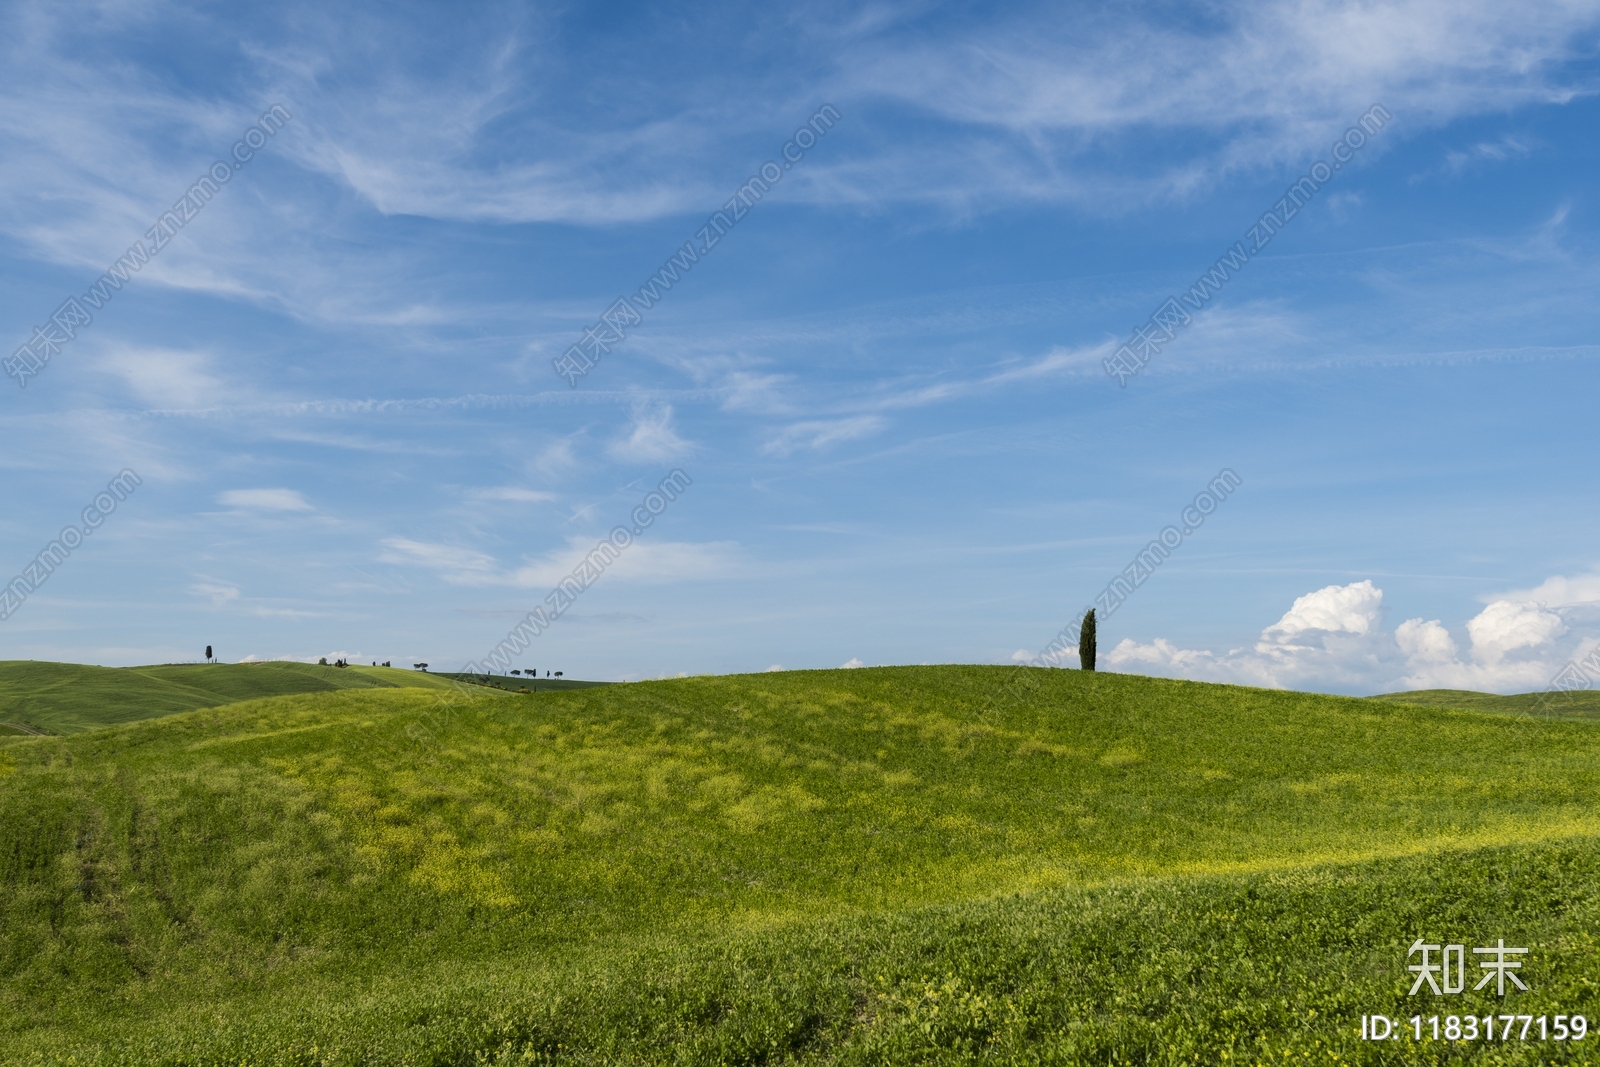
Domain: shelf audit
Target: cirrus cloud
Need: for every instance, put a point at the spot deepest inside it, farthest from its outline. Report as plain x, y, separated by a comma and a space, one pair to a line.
264, 500
649, 562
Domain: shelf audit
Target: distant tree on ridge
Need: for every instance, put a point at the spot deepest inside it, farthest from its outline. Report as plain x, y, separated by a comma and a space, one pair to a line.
1086, 642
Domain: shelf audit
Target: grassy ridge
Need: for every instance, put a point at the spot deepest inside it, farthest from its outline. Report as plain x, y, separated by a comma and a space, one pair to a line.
65, 698
519, 685
444, 874
1581, 704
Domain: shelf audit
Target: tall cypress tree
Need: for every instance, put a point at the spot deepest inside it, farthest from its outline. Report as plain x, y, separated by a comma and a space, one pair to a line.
1086, 642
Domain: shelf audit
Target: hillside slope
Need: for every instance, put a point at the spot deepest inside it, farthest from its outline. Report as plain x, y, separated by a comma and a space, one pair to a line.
520, 685
1579, 704
65, 698
883, 865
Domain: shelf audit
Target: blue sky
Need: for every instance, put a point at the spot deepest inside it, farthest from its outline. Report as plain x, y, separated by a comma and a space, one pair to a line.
335, 380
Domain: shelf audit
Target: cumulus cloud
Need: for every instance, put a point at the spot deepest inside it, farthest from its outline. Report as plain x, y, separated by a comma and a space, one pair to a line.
1561, 592
851, 664
264, 500
1162, 656
1333, 639
1341, 609
1425, 642
1505, 626
1514, 647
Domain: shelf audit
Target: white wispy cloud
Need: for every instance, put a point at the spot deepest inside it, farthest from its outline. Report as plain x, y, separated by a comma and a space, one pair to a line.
460, 566
652, 562
1026, 104
1017, 110
1024, 108
816, 434
759, 393
649, 562
1497, 151
1271, 82
652, 439
512, 494
165, 377
559, 457
264, 500
218, 593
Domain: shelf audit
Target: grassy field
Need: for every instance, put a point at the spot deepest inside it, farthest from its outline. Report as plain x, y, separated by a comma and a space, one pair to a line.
895, 865
1580, 704
66, 698
520, 685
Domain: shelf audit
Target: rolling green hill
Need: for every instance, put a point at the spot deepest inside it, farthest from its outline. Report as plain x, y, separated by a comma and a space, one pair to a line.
65, 698
894, 865
519, 685
1580, 704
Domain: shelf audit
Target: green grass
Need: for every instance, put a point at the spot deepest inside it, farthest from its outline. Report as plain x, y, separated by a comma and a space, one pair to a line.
1580, 704
519, 684
66, 698
883, 865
